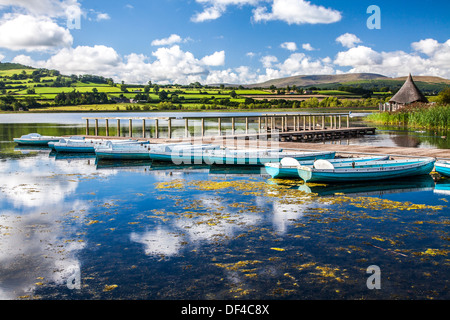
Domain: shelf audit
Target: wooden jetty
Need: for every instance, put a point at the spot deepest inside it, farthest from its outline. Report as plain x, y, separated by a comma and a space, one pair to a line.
284, 127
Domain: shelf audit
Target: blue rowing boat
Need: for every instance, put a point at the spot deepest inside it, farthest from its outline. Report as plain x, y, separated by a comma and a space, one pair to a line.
124, 151
287, 167
181, 153
86, 146
35, 139
324, 171
261, 157
443, 168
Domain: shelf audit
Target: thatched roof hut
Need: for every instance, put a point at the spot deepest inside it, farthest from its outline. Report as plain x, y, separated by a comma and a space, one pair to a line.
409, 93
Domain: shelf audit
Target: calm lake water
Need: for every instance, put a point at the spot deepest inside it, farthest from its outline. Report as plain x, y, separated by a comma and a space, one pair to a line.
72, 228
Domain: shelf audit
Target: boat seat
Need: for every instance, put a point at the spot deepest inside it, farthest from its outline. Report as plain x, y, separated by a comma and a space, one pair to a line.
323, 165
289, 162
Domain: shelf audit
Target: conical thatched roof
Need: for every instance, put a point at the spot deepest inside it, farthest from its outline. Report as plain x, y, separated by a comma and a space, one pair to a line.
409, 93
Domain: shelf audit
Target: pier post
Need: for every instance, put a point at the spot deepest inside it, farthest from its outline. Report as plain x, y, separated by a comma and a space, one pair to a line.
323, 122
339, 121
246, 125
271, 124
118, 128
96, 127
130, 127
203, 126
219, 125
331, 122
143, 128
156, 129
107, 127
87, 127
186, 128
259, 124
314, 122
348, 121
309, 123
169, 128
233, 126
282, 124
304, 123
295, 123
265, 124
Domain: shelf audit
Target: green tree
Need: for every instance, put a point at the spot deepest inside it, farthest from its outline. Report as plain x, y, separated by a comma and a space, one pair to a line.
444, 96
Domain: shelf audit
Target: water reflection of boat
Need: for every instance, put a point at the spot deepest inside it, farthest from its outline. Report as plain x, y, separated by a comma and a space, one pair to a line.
443, 168
368, 171
421, 183
35, 139
122, 164
235, 170
71, 156
442, 187
26, 149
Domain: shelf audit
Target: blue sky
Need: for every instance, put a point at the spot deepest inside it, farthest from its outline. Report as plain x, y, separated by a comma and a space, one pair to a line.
231, 41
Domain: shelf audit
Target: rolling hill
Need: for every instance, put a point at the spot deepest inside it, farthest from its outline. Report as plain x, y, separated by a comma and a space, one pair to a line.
332, 81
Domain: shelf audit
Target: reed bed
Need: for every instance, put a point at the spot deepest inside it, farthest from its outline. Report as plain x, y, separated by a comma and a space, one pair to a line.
417, 115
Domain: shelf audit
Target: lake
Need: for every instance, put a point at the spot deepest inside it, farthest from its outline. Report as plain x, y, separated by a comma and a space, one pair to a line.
74, 228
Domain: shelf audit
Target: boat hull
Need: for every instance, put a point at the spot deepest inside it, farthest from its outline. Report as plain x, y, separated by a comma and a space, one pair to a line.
261, 160
34, 142
443, 168
366, 174
277, 171
122, 156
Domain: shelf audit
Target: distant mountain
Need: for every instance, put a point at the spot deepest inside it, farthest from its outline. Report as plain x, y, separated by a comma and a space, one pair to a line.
314, 80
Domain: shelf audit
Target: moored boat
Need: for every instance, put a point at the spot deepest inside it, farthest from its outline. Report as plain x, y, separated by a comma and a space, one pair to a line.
124, 151
324, 171
287, 167
443, 168
35, 139
87, 146
261, 157
182, 153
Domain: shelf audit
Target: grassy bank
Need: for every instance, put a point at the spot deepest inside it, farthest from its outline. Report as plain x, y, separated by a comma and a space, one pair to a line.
417, 116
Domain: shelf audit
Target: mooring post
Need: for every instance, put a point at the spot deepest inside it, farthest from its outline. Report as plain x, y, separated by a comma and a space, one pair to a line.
304, 123
339, 121
246, 125
107, 127
186, 128
203, 127
143, 128
130, 127
169, 128
96, 127
323, 122
331, 122
156, 128
219, 126
233, 126
348, 121
259, 124
87, 127
118, 128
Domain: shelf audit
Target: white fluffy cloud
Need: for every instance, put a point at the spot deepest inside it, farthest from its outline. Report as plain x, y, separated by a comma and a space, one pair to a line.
30, 33
308, 47
172, 39
297, 12
49, 8
428, 58
291, 46
290, 11
214, 9
348, 40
